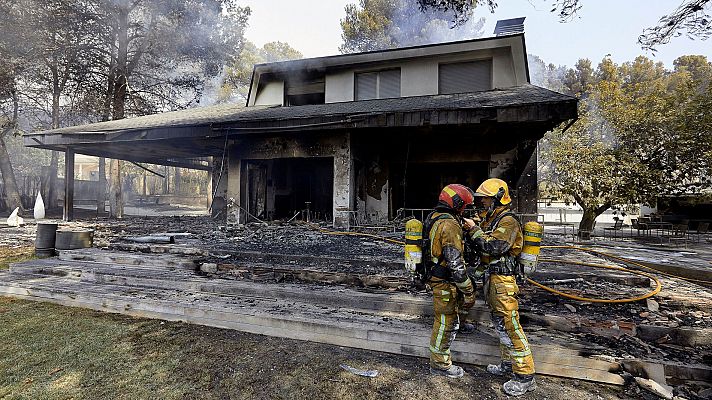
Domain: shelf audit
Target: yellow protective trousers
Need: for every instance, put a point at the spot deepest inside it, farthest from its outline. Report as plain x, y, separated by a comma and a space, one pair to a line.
446, 304
502, 291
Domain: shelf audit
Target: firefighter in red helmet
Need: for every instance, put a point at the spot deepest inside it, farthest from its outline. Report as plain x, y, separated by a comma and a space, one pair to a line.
453, 291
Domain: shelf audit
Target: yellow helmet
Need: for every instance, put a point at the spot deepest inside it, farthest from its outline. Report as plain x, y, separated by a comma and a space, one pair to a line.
496, 188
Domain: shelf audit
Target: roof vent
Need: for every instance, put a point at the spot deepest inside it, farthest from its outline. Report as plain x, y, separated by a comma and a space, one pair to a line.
509, 26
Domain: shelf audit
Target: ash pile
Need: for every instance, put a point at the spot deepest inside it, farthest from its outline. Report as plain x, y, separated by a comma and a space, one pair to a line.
674, 327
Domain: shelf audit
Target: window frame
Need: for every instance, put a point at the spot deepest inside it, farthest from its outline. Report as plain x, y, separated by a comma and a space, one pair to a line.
490, 63
378, 83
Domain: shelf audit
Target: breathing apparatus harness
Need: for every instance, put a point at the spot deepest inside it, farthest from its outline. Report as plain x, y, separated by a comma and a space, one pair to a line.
505, 264
418, 256
525, 263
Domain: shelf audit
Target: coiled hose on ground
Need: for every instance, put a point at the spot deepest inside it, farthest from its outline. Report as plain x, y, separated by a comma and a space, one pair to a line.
656, 290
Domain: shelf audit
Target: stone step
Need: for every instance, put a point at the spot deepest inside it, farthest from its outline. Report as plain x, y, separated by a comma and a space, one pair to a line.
366, 300
295, 320
124, 258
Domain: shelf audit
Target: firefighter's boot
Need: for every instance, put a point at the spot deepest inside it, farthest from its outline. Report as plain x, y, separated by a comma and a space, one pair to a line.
467, 328
519, 385
453, 372
500, 369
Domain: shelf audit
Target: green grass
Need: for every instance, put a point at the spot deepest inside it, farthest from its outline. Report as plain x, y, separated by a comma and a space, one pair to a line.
6, 261
54, 352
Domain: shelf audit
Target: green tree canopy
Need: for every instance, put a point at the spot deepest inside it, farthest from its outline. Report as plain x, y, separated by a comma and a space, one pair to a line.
643, 132
236, 84
385, 24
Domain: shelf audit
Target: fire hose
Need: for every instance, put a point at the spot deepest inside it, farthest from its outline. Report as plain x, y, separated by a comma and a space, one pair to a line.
656, 290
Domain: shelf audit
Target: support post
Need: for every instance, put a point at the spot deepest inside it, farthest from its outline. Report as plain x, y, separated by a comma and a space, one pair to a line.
210, 184
343, 181
116, 201
101, 191
68, 214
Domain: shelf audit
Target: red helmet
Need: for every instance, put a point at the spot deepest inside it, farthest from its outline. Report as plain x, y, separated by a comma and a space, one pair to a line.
457, 197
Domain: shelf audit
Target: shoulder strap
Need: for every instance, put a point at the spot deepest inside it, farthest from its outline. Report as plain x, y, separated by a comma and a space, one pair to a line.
501, 216
430, 222
428, 229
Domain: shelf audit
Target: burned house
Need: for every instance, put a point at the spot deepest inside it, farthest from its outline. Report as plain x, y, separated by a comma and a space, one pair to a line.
352, 138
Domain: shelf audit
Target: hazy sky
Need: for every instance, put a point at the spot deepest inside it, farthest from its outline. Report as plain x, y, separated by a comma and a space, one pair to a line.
603, 27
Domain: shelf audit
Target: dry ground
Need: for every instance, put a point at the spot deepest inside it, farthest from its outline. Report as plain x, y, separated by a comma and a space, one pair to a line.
54, 352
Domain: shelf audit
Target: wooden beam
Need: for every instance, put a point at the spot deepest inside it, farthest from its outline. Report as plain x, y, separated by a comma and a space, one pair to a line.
105, 276
68, 212
476, 350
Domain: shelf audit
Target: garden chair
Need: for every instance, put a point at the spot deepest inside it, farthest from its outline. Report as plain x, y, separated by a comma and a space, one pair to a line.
701, 231
678, 233
613, 230
640, 224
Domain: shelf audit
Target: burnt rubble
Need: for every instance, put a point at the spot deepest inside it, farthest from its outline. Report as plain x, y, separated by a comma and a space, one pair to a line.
674, 327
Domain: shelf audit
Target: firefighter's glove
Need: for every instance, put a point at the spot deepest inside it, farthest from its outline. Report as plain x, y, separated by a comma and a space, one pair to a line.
476, 273
477, 241
475, 232
469, 224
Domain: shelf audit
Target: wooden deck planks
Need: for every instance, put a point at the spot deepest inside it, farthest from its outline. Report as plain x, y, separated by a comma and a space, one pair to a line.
412, 340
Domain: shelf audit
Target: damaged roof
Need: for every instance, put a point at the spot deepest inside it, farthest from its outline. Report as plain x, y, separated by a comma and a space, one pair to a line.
201, 132
234, 116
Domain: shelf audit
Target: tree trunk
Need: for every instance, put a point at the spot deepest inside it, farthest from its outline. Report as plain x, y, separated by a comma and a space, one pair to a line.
8, 177
51, 195
12, 192
116, 203
120, 78
166, 185
176, 184
587, 221
590, 214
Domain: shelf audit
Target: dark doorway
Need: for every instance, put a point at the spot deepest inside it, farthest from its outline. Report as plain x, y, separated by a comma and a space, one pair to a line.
424, 181
257, 189
302, 183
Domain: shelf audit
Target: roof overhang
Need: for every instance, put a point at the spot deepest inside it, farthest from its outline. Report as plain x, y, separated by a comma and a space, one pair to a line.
197, 133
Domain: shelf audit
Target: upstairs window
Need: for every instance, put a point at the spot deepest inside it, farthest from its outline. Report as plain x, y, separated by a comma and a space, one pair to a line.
378, 85
472, 76
304, 90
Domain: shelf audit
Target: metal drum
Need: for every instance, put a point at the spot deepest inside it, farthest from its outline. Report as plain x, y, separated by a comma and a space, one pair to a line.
45, 239
75, 239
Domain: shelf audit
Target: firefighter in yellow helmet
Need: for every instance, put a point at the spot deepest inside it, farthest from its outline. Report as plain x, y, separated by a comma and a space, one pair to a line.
453, 291
499, 239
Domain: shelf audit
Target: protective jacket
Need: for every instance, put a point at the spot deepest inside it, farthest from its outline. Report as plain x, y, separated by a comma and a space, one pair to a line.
499, 239
449, 282
446, 250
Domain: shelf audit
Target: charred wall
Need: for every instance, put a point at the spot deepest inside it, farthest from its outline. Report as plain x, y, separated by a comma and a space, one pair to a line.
273, 176
365, 176
407, 168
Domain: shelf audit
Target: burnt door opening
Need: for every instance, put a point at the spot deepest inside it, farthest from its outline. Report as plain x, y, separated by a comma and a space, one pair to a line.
257, 189
299, 181
424, 181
